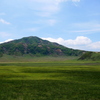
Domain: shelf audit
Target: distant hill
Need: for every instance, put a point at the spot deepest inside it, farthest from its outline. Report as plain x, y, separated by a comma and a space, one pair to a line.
90, 56
35, 46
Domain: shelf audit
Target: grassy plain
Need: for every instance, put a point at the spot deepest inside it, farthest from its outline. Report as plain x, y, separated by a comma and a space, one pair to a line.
48, 78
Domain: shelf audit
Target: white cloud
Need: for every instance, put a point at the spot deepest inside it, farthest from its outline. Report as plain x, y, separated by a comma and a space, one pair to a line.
4, 22
95, 45
53, 1
76, 0
49, 1
46, 8
7, 41
59, 40
81, 42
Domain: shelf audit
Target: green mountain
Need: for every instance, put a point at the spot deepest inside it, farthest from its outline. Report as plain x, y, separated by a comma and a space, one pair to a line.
36, 47
90, 56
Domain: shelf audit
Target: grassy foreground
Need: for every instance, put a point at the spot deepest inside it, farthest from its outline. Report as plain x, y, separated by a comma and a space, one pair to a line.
70, 80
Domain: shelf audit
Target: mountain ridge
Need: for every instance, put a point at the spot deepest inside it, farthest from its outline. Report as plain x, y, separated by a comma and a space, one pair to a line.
37, 47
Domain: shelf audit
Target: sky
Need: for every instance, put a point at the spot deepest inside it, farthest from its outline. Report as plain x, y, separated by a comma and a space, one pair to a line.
72, 23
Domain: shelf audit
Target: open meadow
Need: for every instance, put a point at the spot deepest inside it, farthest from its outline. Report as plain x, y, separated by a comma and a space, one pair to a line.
49, 79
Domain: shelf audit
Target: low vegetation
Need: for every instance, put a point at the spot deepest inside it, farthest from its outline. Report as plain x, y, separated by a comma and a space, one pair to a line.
59, 80
28, 58
90, 56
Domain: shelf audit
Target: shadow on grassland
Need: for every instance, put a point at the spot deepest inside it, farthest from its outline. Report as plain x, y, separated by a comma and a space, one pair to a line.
47, 90
81, 85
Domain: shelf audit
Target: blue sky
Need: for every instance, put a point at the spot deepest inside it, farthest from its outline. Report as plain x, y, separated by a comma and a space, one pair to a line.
72, 23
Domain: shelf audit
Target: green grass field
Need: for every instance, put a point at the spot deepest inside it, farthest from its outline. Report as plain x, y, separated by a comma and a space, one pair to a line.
50, 80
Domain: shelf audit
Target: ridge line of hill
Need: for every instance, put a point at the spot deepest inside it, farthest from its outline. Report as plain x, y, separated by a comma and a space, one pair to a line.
36, 46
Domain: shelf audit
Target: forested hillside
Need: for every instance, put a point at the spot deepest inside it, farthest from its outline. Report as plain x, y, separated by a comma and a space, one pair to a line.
36, 47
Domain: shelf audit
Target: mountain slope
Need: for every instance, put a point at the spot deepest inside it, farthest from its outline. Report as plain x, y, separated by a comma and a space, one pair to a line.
36, 47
